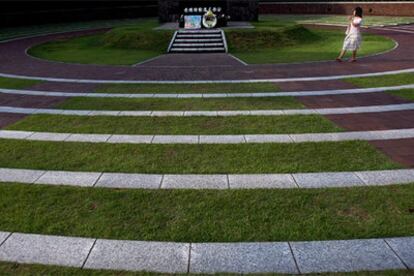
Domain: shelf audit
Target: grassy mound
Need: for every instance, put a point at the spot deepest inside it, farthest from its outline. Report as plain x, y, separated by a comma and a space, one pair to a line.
248, 39
137, 38
273, 40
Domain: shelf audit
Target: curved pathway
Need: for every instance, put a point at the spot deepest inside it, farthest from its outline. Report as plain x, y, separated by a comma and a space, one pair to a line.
248, 257
208, 181
15, 62
372, 135
206, 95
218, 113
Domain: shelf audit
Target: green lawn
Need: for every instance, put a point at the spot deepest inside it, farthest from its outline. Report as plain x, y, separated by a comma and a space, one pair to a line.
13, 32
326, 47
111, 48
407, 94
42, 270
188, 88
380, 81
177, 125
10, 83
209, 216
187, 159
252, 103
90, 50
274, 40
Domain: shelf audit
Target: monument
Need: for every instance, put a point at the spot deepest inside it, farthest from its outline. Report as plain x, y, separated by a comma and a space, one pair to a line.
224, 10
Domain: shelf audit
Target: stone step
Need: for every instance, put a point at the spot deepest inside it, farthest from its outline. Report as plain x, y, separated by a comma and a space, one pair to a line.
198, 45
199, 36
199, 50
206, 40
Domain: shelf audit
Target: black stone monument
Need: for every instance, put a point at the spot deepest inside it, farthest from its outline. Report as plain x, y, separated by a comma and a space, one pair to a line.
237, 10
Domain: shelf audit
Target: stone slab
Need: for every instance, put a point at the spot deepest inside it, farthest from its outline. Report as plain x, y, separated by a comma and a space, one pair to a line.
261, 181
242, 258
268, 138
91, 138
322, 180
135, 113
19, 175
222, 139
175, 139
43, 249
132, 181
84, 179
387, 177
404, 248
131, 139
139, 256
11, 134
195, 182
345, 256
48, 136
167, 113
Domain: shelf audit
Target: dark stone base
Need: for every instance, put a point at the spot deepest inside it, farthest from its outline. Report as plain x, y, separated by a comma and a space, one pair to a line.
239, 10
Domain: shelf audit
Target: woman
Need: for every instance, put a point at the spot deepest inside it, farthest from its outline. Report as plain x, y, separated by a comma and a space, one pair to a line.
353, 37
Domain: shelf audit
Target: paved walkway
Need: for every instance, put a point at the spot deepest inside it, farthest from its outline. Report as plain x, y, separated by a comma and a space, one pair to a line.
249, 257
208, 181
373, 135
14, 61
221, 113
207, 95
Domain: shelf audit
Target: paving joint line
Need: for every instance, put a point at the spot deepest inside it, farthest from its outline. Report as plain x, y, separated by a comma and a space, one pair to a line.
89, 253
97, 180
41, 175
295, 180
10, 234
360, 178
396, 254
294, 258
189, 257
161, 182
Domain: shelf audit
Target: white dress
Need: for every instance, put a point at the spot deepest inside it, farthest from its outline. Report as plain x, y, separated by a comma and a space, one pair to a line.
353, 37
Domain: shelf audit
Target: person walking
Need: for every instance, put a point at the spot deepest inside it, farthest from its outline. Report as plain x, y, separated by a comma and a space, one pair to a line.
353, 37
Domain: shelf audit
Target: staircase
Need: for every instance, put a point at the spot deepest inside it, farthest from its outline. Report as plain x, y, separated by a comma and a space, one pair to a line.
198, 41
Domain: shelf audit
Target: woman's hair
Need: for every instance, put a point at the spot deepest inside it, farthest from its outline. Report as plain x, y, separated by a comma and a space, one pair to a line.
358, 11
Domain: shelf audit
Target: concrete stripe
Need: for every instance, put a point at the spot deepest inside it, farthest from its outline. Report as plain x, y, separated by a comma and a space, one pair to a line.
172, 257
371, 135
229, 113
275, 80
43, 249
209, 95
208, 181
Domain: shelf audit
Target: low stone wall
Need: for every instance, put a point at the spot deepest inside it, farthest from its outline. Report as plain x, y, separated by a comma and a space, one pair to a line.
370, 8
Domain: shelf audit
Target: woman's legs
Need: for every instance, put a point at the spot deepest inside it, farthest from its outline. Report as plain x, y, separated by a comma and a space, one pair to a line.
341, 55
354, 55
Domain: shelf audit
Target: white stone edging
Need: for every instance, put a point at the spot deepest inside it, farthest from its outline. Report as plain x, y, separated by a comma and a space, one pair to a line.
207, 95
239, 257
208, 181
211, 113
209, 139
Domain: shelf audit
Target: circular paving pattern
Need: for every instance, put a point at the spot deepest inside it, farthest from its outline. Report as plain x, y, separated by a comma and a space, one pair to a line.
384, 120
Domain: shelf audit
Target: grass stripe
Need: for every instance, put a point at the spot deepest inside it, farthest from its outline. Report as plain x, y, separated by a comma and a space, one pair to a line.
405, 94
199, 159
181, 104
188, 88
177, 125
209, 216
11, 83
382, 81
